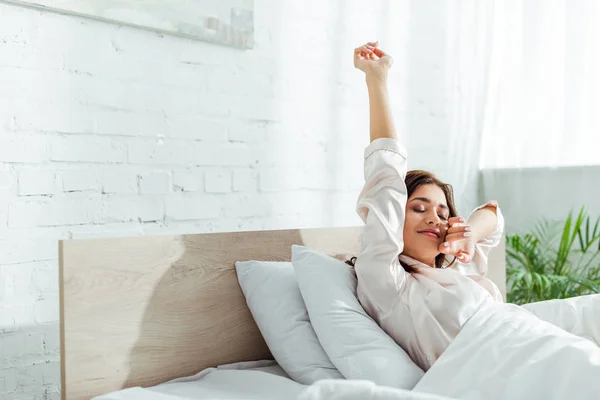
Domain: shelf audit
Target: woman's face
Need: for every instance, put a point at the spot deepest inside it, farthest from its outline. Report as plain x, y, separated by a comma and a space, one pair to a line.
426, 223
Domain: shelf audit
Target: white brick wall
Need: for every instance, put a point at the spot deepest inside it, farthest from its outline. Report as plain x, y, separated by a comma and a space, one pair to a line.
112, 131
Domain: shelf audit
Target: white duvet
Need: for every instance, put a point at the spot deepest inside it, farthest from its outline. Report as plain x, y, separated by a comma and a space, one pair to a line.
546, 350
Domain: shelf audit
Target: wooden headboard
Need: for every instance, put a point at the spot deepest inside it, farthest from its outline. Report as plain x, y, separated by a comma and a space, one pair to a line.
141, 311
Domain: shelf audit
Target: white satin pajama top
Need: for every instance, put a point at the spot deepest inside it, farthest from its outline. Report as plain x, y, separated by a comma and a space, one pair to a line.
421, 311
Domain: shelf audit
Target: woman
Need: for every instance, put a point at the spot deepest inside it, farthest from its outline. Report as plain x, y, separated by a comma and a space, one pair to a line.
421, 271
421, 276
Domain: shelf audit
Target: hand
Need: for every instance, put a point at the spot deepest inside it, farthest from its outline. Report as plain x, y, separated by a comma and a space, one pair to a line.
458, 241
372, 60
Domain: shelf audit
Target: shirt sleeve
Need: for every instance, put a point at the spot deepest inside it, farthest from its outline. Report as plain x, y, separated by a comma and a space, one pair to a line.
479, 264
382, 206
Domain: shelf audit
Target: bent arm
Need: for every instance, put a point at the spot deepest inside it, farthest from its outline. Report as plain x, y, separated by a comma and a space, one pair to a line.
487, 224
483, 222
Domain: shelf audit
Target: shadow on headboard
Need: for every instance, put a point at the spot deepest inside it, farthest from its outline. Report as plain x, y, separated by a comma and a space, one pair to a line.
141, 311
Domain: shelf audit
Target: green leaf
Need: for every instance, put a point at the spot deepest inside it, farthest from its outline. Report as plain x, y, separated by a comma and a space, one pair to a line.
543, 264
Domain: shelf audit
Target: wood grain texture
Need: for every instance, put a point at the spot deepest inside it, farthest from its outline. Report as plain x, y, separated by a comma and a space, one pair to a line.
140, 311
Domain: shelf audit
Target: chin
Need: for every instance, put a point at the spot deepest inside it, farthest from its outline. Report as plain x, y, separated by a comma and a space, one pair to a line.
425, 249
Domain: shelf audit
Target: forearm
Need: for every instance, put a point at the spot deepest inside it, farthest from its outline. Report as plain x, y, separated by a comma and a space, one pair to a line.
483, 223
382, 123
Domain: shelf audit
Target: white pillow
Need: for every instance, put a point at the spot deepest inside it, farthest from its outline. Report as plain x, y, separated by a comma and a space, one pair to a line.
276, 304
354, 342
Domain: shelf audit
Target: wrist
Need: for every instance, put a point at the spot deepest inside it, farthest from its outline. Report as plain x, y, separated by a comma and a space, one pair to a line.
376, 78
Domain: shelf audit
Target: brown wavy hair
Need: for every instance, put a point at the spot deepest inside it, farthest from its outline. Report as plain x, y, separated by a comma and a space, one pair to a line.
414, 179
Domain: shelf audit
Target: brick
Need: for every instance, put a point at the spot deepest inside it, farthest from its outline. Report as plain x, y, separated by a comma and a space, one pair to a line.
56, 117
7, 182
213, 105
170, 100
48, 212
51, 338
246, 206
285, 154
51, 372
188, 181
20, 314
240, 83
247, 131
106, 229
22, 279
33, 343
75, 148
8, 381
160, 153
80, 180
52, 395
120, 208
13, 346
45, 280
189, 154
187, 206
7, 321
19, 56
23, 148
287, 179
244, 180
154, 182
119, 180
37, 182
197, 128
260, 108
19, 250
30, 377
218, 181
47, 310
294, 202
4, 205
129, 123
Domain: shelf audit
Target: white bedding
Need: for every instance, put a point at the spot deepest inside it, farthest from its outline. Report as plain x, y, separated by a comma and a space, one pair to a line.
503, 352
260, 380
506, 352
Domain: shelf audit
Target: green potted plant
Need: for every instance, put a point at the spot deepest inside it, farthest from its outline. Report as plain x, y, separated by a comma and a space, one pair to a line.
554, 261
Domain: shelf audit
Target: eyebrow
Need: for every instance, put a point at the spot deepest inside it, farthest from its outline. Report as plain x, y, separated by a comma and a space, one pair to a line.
426, 200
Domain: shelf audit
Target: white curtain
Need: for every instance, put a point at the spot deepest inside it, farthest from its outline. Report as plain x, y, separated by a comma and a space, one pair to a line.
543, 107
469, 44
540, 139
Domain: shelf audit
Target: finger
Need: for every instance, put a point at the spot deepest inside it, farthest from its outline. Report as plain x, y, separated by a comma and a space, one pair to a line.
458, 229
374, 44
379, 53
456, 220
464, 257
362, 49
448, 248
455, 237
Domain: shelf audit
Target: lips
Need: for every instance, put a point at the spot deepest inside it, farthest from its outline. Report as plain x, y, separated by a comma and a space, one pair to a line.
430, 233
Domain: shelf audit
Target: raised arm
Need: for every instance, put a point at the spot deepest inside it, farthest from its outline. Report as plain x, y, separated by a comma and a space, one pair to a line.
382, 201
375, 63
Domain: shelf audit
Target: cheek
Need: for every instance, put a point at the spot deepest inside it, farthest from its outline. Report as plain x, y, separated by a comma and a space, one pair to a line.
412, 222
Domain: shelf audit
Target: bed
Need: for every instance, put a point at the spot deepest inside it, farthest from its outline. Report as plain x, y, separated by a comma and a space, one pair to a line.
137, 312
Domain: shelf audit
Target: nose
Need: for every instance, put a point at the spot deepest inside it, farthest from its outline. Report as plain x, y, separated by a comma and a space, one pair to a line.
434, 219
